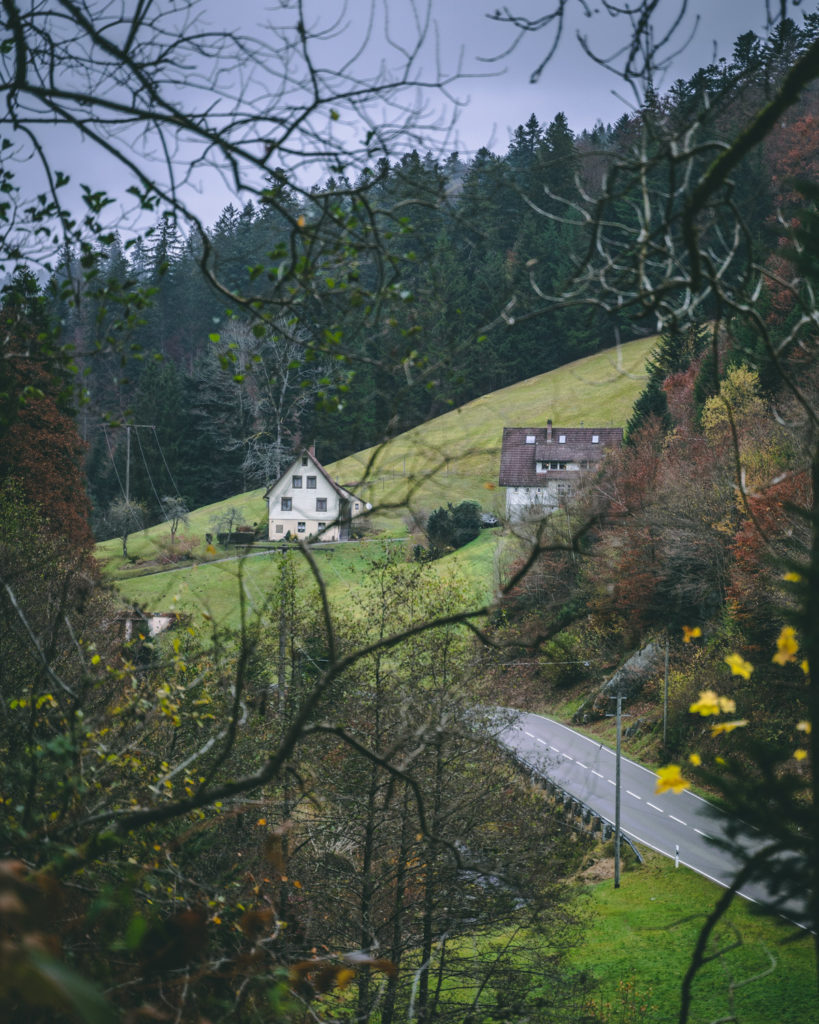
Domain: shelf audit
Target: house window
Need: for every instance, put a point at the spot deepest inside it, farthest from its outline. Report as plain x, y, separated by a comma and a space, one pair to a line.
301, 527
322, 526
595, 439
304, 460
562, 439
530, 438
279, 527
296, 481
287, 504
311, 483
321, 503
356, 506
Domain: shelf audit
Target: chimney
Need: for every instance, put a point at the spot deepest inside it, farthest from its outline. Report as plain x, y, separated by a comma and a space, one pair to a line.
311, 451
548, 431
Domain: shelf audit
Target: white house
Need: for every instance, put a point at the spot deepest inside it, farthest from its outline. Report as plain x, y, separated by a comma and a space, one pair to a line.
305, 502
544, 466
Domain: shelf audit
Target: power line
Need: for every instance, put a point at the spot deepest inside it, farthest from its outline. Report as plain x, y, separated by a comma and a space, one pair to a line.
150, 478
164, 461
113, 462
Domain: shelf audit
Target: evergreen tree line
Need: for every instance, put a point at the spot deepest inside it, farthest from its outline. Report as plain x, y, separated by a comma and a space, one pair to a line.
454, 303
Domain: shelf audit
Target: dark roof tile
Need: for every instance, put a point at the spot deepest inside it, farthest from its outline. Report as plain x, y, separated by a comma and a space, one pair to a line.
519, 459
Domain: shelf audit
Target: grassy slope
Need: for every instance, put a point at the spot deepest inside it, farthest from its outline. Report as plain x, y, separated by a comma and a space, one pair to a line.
457, 455
451, 458
643, 934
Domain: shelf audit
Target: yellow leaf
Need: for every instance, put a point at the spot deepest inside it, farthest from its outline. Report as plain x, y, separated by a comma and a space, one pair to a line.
800, 754
739, 666
671, 778
96, 660
804, 727
708, 704
695, 759
717, 730
792, 577
262, 821
344, 977
786, 646
301, 220
691, 633
805, 667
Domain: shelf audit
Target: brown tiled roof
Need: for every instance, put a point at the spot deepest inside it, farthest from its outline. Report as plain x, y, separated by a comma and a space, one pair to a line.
519, 460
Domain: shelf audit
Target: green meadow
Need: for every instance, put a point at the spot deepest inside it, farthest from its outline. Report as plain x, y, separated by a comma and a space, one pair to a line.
449, 459
640, 937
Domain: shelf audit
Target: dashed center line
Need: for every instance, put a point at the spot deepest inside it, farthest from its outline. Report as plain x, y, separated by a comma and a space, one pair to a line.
556, 749
541, 741
598, 774
700, 832
611, 782
531, 735
678, 820
568, 757
581, 765
655, 807
634, 795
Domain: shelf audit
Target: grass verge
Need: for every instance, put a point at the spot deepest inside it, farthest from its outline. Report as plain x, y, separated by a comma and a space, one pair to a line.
641, 937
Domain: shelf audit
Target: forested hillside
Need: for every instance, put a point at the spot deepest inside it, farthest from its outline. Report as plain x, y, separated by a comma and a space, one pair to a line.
455, 300
300, 809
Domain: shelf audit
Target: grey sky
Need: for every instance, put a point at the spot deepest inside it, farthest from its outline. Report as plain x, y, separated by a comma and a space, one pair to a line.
571, 82
494, 96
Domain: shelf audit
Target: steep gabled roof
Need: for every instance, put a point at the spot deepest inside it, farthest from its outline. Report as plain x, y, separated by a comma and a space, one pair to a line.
524, 447
342, 492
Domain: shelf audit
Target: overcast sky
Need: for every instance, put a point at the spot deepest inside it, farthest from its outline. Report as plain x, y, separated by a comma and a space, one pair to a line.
495, 95
571, 82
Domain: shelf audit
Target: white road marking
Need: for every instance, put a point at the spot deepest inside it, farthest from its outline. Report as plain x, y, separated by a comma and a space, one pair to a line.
678, 820
556, 749
598, 774
655, 807
568, 757
541, 741
634, 795
581, 765
579, 735
611, 782
682, 797
531, 735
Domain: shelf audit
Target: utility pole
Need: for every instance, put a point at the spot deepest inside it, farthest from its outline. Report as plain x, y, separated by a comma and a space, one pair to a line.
619, 713
128, 464
665, 697
619, 699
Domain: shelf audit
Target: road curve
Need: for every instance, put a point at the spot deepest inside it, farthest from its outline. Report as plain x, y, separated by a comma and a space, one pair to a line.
674, 824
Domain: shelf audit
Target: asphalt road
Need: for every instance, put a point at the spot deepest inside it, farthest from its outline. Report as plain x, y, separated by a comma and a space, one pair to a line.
674, 824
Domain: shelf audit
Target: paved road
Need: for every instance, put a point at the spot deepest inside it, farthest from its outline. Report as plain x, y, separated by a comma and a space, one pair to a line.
668, 823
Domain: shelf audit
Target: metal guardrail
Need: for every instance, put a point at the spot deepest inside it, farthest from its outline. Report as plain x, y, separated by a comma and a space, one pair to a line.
588, 816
